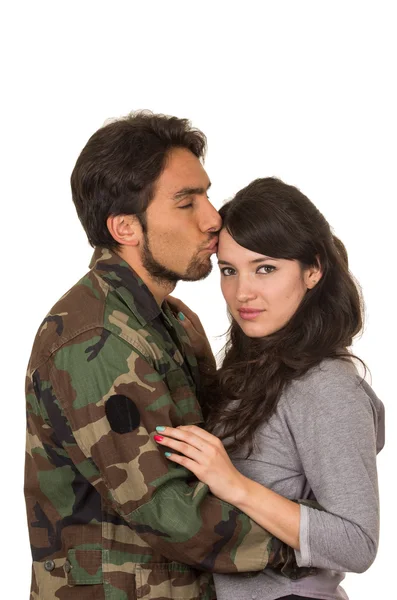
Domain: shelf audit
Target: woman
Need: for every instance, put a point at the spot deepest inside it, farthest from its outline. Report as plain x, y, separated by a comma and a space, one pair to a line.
296, 417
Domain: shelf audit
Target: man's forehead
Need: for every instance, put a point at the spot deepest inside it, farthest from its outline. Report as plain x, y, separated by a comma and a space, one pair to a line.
183, 171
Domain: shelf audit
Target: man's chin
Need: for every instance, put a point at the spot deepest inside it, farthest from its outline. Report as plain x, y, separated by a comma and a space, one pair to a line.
197, 271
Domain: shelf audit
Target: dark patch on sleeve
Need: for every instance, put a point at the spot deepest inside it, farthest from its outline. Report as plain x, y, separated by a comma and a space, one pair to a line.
122, 414
95, 349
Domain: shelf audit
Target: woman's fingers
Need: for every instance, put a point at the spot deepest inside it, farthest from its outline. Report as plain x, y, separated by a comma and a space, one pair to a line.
200, 344
194, 330
191, 331
175, 302
172, 436
188, 463
181, 447
204, 455
193, 442
201, 433
180, 306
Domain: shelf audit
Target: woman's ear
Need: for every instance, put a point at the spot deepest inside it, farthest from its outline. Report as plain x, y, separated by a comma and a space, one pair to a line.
313, 275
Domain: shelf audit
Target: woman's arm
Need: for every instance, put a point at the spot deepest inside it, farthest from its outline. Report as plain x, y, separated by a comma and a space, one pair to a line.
205, 455
333, 421
336, 426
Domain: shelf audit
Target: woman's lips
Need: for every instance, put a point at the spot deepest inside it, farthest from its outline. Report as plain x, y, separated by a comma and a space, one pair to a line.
249, 313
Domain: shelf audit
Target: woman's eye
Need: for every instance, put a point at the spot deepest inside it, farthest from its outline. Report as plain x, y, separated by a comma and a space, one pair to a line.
266, 269
227, 271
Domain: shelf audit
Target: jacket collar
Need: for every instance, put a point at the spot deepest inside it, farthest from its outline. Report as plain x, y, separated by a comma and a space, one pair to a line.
128, 285
117, 273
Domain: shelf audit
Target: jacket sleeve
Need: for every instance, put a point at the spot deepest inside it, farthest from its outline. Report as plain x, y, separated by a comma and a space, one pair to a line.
111, 399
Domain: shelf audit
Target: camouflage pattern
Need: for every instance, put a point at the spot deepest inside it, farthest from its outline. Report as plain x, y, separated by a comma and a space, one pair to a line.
109, 516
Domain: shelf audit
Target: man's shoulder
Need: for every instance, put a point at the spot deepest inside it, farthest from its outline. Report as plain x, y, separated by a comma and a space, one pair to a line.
81, 308
91, 304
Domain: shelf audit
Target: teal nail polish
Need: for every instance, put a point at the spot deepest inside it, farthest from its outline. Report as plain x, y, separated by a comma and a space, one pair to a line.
181, 316
167, 454
160, 428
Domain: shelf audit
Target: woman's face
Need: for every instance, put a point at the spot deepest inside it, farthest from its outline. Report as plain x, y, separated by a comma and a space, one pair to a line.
262, 293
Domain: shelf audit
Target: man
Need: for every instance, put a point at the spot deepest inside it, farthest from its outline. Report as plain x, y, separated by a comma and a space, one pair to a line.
109, 516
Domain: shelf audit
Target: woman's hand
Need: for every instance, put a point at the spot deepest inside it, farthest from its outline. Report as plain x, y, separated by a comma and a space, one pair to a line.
194, 329
204, 455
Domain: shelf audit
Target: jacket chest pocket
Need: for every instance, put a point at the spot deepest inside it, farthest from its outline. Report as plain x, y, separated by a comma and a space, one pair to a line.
173, 581
62, 577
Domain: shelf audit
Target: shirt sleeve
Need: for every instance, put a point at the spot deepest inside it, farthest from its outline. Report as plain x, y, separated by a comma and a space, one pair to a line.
111, 400
334, 426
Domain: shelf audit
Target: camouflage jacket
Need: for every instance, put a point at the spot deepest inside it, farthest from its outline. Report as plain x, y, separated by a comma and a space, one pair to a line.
109, 517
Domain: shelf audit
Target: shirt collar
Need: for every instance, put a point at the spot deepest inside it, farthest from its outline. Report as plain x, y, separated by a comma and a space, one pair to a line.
126, 283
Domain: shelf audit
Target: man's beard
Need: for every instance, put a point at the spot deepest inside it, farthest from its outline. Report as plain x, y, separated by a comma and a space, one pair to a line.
197, 269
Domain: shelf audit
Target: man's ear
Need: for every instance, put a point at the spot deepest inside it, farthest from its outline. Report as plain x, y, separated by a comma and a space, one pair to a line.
125, 229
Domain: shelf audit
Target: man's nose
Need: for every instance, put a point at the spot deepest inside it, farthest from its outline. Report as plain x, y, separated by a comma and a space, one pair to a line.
210, 218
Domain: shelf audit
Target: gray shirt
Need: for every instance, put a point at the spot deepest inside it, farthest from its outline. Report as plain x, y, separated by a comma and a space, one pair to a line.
320, 444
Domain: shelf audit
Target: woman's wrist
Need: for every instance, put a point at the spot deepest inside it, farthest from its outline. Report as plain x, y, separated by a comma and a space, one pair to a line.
241, 493
273, 512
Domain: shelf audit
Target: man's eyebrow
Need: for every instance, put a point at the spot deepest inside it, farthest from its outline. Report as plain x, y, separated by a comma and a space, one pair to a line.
189, 191
252, 262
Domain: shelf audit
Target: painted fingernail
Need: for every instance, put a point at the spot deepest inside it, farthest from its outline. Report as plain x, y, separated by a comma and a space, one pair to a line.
167, 454
160, 428
181, 316
158, 438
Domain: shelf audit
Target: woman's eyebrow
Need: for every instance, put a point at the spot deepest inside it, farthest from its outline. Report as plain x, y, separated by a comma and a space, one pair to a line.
258, 260
255, 261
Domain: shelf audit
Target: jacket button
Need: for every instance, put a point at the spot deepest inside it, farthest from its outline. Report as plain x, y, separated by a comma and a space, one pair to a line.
49, 565
68, 567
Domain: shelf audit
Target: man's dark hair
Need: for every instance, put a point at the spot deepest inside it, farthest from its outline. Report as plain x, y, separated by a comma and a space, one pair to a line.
117, 169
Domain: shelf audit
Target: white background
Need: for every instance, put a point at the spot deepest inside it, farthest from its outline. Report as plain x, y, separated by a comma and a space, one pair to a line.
301, 90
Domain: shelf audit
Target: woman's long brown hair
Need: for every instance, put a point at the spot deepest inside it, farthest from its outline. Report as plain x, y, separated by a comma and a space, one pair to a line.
275, 219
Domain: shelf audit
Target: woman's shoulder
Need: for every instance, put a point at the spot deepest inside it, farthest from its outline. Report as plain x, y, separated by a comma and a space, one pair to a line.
335, 386
330, 373
334, 394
